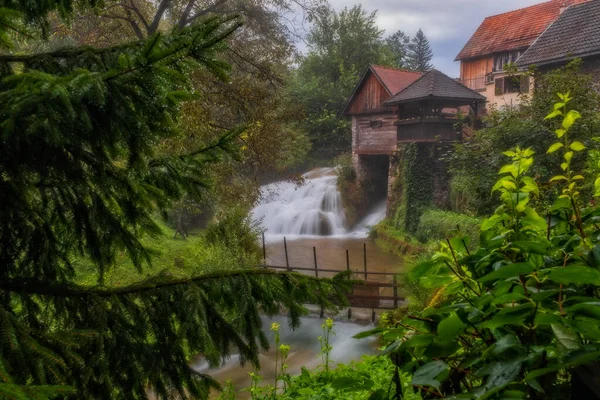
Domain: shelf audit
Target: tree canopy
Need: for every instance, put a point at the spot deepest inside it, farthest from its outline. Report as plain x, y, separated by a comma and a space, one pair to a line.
80, 176
420, 53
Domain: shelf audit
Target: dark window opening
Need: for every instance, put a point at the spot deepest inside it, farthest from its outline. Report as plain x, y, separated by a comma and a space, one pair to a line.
376, 123
512, 84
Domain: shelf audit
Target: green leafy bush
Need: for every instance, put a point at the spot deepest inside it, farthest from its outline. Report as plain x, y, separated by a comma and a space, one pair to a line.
345, 168
515, 317
475, 162
235, 229
437, 224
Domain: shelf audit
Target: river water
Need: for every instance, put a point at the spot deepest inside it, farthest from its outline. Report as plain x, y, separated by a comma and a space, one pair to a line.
311, 215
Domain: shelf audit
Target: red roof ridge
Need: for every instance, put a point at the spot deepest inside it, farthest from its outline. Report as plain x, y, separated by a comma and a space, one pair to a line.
396, 69
520, 9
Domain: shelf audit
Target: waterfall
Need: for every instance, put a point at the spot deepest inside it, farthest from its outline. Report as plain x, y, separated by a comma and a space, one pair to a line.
313, 208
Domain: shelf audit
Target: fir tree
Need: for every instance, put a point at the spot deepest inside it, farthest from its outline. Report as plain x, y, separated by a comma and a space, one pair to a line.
79, 177
420, 53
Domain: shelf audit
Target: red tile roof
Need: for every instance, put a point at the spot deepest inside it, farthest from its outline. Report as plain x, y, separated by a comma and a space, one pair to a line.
513, 30
394, 79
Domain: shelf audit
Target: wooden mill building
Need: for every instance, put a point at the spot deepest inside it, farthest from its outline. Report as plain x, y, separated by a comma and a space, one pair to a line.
391, 106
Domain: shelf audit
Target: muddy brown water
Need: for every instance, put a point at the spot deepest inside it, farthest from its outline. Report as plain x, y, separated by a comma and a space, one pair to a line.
331, 254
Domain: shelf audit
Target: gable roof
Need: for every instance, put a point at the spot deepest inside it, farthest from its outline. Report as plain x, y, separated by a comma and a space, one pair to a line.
392, 79
513, 30
435, 85
576, 33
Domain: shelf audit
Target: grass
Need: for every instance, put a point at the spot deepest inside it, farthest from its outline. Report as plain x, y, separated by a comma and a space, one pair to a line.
173, 257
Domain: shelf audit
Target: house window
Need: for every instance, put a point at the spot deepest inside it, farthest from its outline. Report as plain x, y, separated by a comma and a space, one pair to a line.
501, 60
376, 123
512, 84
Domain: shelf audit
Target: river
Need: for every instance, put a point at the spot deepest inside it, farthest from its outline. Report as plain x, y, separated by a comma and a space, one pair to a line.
311, 215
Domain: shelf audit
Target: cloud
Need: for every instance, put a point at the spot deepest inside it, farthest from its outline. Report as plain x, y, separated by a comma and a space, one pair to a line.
448, 24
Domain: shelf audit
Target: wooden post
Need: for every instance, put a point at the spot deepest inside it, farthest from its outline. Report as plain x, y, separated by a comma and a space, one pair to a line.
365, 258
287, 260
349, 313
347, 261
322, 312
264, 248
395, 291
315, 257
373, 316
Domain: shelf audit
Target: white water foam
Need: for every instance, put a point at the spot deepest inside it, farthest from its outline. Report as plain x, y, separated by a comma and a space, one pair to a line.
312, 209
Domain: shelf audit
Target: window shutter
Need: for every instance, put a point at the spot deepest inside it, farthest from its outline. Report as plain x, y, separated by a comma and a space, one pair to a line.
499, 86
524, 84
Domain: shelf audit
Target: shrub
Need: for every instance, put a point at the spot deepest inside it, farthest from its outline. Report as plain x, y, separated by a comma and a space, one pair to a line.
439, 225
236, 230
516, 317
345, 167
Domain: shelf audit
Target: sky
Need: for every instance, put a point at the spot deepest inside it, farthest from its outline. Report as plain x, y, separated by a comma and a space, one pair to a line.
448, 24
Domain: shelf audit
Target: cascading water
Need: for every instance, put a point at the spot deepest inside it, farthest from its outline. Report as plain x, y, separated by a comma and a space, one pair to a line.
311, 209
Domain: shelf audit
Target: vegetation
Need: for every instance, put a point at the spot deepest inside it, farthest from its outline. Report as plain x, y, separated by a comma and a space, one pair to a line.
81, 177
437, 225
419, 53
516, 316
475, 161
341, 45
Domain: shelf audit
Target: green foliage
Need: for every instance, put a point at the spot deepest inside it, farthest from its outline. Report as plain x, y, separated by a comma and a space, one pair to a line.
416, 185
419, 53
235, 229
475, 161
81, 179
438, 224
345, 168
518, 314
341, 45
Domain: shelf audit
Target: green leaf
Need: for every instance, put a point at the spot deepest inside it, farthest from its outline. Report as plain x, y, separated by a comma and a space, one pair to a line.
566, 337
577, 274
501, 375
368, 333
502, 320
570, 119
560, 132
564, 166
568, 156
509, 298
577, 146
554, 114
559, 178
555, 147
509, 169
450, 327
426, 375
559, 105
491, 222
508, 271
540, 247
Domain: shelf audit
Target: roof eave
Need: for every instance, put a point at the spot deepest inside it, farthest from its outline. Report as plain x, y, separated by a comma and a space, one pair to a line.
524, 66
466, 101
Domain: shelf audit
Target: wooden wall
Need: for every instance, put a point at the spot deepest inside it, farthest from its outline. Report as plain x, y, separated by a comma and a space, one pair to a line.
370, 97
430, 130
374, 140
472, 72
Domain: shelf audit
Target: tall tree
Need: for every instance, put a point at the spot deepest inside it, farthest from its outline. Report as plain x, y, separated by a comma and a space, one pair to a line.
340, 47
80, 176
397, 44
420, 53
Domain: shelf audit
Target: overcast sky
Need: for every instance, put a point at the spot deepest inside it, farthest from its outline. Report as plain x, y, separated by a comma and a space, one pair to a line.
447, 23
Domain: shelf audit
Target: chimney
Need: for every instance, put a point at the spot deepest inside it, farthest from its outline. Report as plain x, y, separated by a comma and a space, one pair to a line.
563, 6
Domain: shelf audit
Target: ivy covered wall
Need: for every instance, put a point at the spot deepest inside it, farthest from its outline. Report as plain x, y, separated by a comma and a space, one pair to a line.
413, 189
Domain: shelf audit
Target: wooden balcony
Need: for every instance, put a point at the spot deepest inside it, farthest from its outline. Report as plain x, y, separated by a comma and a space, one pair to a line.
427, 130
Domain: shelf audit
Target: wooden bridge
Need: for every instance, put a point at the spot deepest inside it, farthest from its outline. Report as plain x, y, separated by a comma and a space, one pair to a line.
377, 290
